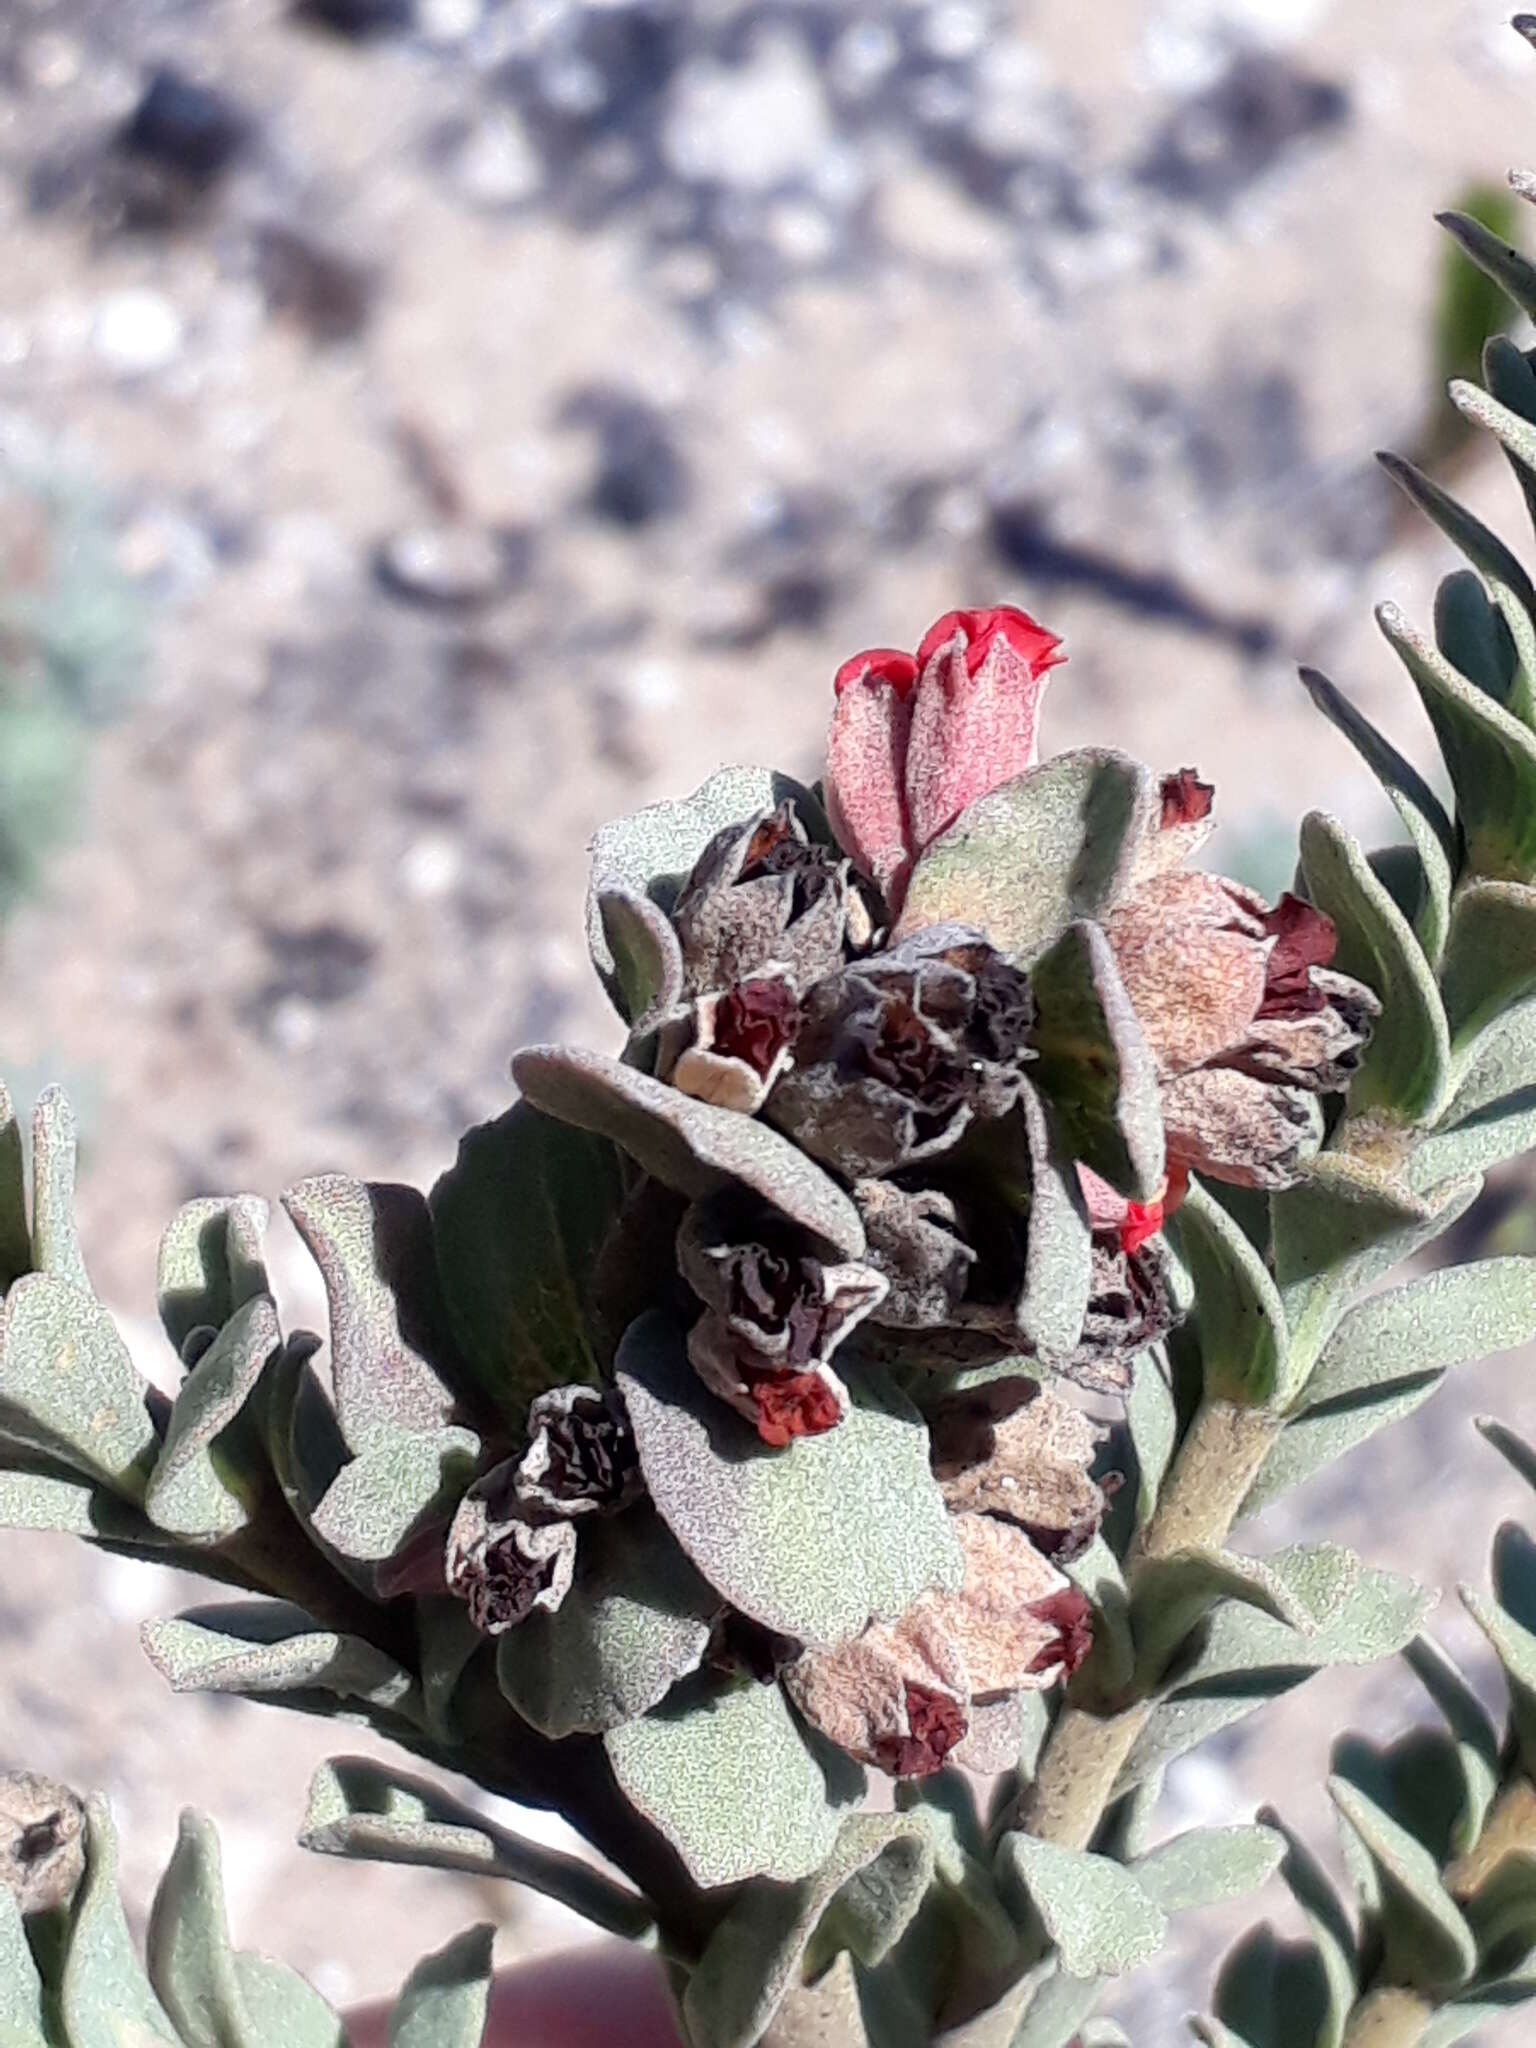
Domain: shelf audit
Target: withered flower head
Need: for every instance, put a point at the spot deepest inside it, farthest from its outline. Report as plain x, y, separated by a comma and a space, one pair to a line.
742, 1040
774, 1313
501, 1564
1246, 1021
762, 895
580, 1458
916, 1241
1015, 1449
898, 1055
1130, 1305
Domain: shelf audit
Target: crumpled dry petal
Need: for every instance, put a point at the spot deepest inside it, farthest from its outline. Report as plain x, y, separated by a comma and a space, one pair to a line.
1130, 1306
581, 1456
1015, 1449
781, 1402
501, 1564
1192, 953
1184, 823
1222, 1122
762, 895
899, 1054
915, 1241
896, 1696
1019, 1624
742, 1042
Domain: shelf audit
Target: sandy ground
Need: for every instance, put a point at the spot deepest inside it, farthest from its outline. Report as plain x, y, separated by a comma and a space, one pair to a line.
529, 415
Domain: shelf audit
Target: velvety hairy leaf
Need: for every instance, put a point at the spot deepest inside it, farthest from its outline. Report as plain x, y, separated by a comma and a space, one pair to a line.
104, 1999
1097, 1574
373, 1245
210, 1263
1053, 845
191, 1963
1405, 1072
381, 1498
520, 1221
652, 851
21, 1990
1472, 1729
1172, 1595
1102, 2034
1152, 1418
444, 2001
647, 958
1482, 2007
1057, 2009
1329, 1926
1205, 1866
1428, 1942
1390, 1352
15, 1235
688, 1145
1094, 1065
636, 1619
1492, 254
1358, 1614
1490, 755
724, 1771
1514, 1449
1270, 1994
261, 1647
1508, 1620
1471, 632
1490, 958
1244, 1343
964, 1897
1492, 1115
68, 1386
55, 1242
284, 2009
205, 1482
862, 1900
1504, 409
1100, 1919
1340, 1228
1430, 830
1058, 1273
812, 1540
366, 1811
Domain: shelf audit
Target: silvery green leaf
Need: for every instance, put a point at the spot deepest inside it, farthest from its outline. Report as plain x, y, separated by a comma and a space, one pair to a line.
1058, 1269
303, 1438
1056, 2011
1100, 1920
1509, 1622
383, 1496
261, 1647
1483, 2006
1479, 637
1096, 1573
1172, 1595
647, 978
1504, 409
965, 1894
68, 1386
1490, 755
55, 1241
812, 1540
520, 1220
1358, 1614
1342, 1226
1055, 844
1491, 253
861, 1900
444, 2001
1405, 1071
1093, 1063
1329, 1925
1434, 840
1244, 1343
361, 1809
1270, 1994
191, 1963
447, 1640
104, 1999
724, 1771
1492, 1115
373, 1245
210, 1263
1490, 957
1475, 1736
636, 1619
1102, 2034
1152, 1418
652, 851
1205, 1866
686, 1144
1514, 1449
1428, 1942
205, 1482
15, 1235
283, 2008
1389, 1353
21, 1990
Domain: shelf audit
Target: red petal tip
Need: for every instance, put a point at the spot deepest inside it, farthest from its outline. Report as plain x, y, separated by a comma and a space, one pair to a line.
794, 1404
1035, 643
878, 665
1186, 799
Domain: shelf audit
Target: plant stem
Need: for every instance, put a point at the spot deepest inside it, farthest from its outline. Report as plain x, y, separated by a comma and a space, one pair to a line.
825, 2014
1201, 1499
1390, 2018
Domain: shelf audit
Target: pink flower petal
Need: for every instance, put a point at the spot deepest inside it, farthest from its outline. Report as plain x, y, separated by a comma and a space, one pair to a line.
867, 761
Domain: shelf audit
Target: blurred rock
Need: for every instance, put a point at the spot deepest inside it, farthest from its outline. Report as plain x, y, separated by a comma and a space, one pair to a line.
1235, 131
321, 288
755, 124
640, 475
451, 567
356, 18
137, 332
494, 163
185, 129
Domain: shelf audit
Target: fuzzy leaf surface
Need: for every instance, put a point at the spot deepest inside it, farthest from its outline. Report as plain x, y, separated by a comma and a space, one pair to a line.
1429, 1944
1100, 1919
444, 2000
104, 1997
68, 1385
1244, 1344
201, 1488
1094, 1065
210, 1263
259, 1647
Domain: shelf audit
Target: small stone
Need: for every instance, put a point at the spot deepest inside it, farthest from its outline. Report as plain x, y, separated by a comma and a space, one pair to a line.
447, 568
431, 867
51, 62
496, 164
753, 125
137, 332
449, 21
327, 292
185, 128
356, 19
640, 475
